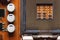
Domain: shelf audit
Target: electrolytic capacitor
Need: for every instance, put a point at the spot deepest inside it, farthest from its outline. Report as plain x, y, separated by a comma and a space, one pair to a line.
10, 28
10, 7
10, 18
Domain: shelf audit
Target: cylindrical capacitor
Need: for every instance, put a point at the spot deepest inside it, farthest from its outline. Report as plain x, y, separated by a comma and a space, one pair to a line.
10, 28
10, 7
10, 18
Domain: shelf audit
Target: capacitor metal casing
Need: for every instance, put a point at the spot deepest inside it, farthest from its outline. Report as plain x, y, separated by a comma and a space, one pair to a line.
10, 18
10, 7
10, 28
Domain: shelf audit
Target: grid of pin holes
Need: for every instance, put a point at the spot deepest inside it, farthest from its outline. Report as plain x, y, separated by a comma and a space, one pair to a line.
44, 12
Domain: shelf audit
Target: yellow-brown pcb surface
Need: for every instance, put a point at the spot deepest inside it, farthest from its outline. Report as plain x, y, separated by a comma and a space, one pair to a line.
16, 35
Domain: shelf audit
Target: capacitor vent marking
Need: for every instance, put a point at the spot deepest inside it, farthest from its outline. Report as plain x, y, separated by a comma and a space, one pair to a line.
10, 28
10, 7
10, 18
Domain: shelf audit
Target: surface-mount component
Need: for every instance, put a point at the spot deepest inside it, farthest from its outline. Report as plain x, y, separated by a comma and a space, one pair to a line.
2, 12
1, 25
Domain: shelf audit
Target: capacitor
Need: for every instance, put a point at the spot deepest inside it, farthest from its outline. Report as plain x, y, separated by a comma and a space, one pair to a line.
10, 18
10, 7
10, 28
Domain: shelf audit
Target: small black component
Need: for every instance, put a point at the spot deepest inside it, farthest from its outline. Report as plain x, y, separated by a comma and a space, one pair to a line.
1, 25
2, 12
